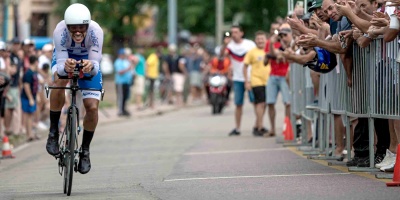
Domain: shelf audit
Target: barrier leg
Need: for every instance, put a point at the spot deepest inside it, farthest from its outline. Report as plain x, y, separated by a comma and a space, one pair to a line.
371, 138
348, 132
317, 131
330, 134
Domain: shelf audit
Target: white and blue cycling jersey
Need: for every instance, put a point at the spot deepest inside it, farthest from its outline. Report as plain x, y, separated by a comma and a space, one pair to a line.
89, 49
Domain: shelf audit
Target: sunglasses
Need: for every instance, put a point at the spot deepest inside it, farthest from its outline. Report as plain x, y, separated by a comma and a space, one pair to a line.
282, 35
77, 28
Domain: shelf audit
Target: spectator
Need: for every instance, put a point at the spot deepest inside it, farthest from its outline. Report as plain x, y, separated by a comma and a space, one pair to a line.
28, 96
152, 72
28, 47
258, 79
12, 104
140, 73
4, 65
45, 58
279, 68
123, 79
44, 76
237, 49
175, 70
194, 60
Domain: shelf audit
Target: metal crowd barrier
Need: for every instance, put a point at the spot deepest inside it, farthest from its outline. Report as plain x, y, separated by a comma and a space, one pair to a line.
298, 83
374, 93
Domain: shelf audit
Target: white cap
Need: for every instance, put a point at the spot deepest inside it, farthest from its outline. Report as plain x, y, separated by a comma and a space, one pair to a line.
3, 45
47, 47
28, 42
77, 14
172, 47
128, 51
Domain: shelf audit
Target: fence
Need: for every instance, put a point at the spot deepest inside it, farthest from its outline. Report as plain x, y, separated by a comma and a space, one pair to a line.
374, 94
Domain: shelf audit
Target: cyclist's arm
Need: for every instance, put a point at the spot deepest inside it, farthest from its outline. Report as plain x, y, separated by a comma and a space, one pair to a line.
95, 51
60, 38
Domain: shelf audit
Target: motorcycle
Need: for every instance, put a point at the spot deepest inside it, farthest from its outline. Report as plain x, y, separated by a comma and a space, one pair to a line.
218, 92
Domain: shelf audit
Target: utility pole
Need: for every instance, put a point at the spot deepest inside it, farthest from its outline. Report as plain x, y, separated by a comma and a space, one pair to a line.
5, 20
172, 22
219, 13
16, 19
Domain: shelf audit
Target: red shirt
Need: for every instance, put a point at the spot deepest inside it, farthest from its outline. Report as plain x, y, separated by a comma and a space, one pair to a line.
277, 69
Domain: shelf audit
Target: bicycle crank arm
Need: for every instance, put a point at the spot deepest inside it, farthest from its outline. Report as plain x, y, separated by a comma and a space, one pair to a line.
47, 91
102, 94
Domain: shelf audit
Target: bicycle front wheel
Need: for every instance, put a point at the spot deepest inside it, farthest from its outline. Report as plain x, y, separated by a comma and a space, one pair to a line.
70, 156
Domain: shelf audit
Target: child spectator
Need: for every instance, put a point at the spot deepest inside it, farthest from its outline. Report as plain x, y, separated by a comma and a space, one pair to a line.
28, 96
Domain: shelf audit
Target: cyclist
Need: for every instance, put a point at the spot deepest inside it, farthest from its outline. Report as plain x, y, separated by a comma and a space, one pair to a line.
77, 39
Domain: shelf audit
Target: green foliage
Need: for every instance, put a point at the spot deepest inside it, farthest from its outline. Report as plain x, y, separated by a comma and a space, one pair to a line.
197, 16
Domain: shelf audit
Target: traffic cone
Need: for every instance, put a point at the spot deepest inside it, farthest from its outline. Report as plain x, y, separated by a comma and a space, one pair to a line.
396, 173
287, 129
6, 151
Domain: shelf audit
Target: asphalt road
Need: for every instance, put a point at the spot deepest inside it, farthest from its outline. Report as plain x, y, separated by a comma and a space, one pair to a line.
185, 155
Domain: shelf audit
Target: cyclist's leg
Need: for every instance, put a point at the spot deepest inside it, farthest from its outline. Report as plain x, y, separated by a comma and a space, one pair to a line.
57, 98
91, 101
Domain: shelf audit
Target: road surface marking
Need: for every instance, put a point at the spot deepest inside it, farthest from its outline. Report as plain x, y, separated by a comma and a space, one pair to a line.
262, 176
20, 148
233, 151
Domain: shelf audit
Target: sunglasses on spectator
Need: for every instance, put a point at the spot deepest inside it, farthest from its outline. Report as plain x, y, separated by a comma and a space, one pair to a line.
282, 35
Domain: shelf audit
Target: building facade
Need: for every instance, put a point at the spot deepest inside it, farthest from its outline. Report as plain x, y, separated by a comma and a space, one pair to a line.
27, 18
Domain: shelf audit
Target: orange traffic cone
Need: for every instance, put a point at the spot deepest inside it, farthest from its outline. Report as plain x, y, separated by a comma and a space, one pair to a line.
396, 173
287, 129
6, 151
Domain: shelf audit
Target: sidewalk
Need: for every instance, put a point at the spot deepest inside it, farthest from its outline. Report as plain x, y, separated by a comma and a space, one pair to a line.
106, 116
110, 115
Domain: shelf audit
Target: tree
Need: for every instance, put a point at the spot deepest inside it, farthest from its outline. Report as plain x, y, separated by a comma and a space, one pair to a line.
198, 16
258, 15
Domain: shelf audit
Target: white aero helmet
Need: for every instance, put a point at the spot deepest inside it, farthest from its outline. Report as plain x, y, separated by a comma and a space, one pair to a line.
77, 14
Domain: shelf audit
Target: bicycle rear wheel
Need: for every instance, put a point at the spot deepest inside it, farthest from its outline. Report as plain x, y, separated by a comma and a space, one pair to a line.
70, 156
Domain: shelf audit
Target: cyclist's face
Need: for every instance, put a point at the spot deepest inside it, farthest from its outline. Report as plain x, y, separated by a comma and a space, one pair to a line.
78, 32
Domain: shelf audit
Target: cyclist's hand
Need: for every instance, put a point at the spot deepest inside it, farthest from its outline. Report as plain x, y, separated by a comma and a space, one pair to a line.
31, 102
70, 65
87, 66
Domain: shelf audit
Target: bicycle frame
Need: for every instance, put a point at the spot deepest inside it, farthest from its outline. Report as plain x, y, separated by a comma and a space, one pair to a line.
69, 150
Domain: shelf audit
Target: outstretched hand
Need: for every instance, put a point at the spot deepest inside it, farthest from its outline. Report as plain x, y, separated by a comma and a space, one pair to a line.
344, 9
394, 3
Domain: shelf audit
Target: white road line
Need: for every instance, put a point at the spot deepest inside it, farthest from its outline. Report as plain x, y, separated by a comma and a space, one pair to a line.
232, 151
20, 148
262, 176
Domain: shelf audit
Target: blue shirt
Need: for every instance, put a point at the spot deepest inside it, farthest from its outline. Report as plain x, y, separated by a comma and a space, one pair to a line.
333, 26
193, 63
141, 65
343, 25
31, 78
119, 65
